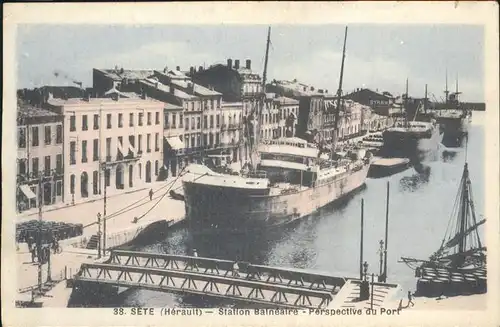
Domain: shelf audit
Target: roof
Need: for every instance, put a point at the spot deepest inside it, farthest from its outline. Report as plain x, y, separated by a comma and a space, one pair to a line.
231, 104
165, 88
120, 74
171, 106
27, 111
285, 100
97, 101
197, 88
297, 87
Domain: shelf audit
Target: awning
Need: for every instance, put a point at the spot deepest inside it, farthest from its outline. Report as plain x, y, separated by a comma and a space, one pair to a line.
175, 143
27, 191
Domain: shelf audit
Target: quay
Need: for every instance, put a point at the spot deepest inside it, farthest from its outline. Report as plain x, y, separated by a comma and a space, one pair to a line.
159, 214
257, 284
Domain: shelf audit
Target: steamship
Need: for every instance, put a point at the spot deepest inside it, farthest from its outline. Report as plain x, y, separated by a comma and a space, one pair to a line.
413, 139
290, 178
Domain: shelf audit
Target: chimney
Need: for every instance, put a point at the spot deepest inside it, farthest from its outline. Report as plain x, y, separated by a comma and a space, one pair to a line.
326, 91
116, 96
230, 63
237, 64
191, 70
200, 68
172, 89
178, 68
320, 91
248, 64
191, 87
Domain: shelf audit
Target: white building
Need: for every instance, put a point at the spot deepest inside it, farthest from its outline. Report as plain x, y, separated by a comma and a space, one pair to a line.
232, 138
123, 135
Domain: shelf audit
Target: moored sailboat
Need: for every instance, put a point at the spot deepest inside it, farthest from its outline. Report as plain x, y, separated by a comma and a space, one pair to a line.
459, 265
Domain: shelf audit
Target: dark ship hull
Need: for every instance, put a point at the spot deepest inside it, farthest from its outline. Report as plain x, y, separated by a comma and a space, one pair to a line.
455, 129
413, 145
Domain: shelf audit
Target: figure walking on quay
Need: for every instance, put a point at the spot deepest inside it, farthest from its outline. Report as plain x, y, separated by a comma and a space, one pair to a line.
151, 195
410, 299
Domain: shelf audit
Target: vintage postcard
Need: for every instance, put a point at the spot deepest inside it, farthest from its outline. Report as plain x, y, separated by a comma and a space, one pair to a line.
250, 164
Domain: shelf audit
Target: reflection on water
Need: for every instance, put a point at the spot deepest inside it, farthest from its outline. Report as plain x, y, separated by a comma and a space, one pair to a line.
421, 201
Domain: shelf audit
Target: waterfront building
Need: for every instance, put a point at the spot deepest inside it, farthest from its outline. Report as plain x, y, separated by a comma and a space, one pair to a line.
111, 142
40, 167
381, 103
311, 114
232, 137
124, 80
288, 110
173, 134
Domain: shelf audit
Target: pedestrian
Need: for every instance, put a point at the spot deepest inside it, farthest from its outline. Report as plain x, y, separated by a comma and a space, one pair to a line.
236, 269
33, 254
410, 299
195, 254
151, 195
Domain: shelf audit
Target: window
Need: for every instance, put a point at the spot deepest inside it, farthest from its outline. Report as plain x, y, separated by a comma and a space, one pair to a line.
21, 167
95, 152
174, 120
96, 121
157, 118
34, 136
205, 139
217, 138
72, 123
193, 142
107, 177
95, 182
165, 121
120, 120
48, 137
58, 134
34, 166
149, 118
120, 146
187, 141
47, 165
108, 149
141, 117
108, 121
211, 121
58, 188
217, 121
156, 167
59, 163
72, 184
192, 123
85, 125
72, 153
187, 124
198, 123
148, 143
139, 143
131, 140
180, 120
157, 142
21, 137
84, 151
131, 119
205, 122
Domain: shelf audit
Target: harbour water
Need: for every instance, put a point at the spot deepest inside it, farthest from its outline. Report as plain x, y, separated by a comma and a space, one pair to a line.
420, 208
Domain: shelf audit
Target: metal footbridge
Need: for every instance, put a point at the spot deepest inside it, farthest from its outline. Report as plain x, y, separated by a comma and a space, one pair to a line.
277, 287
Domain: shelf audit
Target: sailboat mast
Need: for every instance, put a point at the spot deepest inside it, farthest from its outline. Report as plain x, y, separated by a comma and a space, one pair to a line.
425, 99
446, 92
406, 104
264, 74
465, 210
339, 92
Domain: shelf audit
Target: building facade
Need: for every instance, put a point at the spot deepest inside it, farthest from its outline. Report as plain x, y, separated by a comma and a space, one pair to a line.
232, 138
381, 103
113, 143
173, 135
40, 167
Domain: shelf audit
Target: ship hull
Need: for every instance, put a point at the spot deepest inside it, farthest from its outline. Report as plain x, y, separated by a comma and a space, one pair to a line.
237, 210
454, 129
410, 145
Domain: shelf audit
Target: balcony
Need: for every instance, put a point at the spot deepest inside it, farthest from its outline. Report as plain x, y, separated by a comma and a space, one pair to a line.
233, 127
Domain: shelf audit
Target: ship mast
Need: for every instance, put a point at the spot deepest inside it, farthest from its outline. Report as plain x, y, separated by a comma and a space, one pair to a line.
406, 104
339, 93
262, 99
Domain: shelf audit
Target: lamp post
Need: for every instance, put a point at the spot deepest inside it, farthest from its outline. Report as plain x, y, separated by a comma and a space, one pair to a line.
99, 234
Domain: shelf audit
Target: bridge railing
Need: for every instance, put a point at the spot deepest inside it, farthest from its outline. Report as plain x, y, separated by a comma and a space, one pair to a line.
216, 265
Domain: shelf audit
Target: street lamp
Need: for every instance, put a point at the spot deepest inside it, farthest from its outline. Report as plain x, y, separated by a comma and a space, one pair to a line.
99, 234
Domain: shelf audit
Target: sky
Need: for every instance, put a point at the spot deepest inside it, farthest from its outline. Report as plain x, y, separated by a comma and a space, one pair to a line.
380, 57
